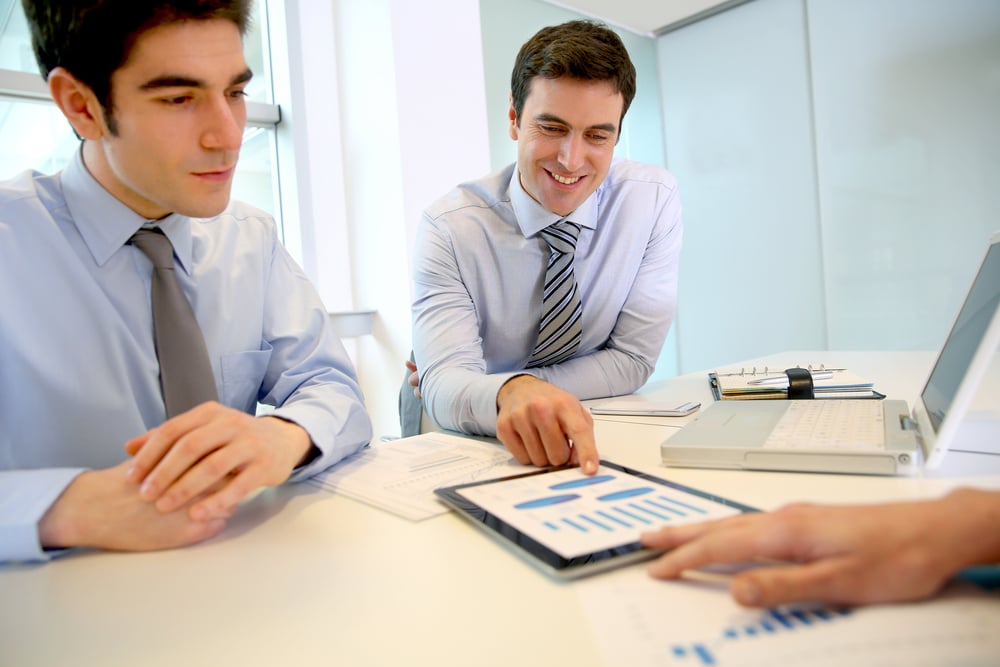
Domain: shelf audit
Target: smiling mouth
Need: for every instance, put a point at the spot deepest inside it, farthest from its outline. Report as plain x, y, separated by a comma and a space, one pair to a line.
564, 180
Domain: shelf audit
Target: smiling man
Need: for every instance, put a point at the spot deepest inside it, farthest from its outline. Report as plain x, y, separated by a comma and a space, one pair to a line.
108, 439
555, 279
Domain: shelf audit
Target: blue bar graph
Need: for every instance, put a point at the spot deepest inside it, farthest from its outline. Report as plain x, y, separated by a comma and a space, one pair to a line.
772, 621
586, 481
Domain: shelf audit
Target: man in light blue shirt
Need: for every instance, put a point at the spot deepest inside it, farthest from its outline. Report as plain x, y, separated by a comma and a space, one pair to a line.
156, 95
480, 259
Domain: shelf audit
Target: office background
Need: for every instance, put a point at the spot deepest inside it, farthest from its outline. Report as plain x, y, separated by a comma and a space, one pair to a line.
838, 160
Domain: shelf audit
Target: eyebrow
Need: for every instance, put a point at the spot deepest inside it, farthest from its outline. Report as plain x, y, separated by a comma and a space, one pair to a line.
551, 118
180, 81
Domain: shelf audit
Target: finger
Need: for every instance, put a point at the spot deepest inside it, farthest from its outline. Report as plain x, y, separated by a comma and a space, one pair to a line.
160, 440
513, 439
668, 537
579, 428
136, 443
185, 453
554, 443
585, 450
822, 581
414, 379
194, 480
735, 543
410, 366
535, 446
222, 503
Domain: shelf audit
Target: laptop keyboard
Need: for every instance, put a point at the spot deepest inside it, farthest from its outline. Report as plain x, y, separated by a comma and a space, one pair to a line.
834, 424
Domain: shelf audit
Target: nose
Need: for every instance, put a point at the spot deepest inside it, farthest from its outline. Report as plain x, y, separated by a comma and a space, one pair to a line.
224, 124
571, 152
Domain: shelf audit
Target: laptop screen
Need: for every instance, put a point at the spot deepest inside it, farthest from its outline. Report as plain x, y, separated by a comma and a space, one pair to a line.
965, 338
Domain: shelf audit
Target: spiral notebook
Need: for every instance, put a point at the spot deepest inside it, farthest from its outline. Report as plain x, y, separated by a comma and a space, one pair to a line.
757, 382
765, 435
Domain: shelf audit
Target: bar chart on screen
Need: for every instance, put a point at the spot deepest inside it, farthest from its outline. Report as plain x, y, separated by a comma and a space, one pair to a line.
576, 515
643, 622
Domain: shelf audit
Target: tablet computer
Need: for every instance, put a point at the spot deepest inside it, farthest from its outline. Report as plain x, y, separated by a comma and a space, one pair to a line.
571, 525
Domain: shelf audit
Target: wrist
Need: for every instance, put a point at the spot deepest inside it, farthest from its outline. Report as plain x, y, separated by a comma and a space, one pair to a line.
297, 440
513, 384
63, 525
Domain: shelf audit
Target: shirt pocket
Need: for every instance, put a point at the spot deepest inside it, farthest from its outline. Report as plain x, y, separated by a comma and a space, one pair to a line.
242, 374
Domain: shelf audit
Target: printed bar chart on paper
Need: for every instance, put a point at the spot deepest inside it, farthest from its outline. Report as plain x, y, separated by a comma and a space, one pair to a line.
694, 622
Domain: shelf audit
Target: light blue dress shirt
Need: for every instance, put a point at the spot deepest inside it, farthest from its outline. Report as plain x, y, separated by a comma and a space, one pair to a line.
479, 265
78, 370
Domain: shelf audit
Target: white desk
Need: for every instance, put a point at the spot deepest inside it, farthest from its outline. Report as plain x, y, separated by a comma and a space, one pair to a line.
301, 576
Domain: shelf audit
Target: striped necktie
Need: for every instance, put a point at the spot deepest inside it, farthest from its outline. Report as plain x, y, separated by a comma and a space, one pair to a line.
186, 378
559, 331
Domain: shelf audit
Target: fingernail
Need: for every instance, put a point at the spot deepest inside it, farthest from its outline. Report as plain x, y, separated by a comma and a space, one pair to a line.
590, 467
146, 491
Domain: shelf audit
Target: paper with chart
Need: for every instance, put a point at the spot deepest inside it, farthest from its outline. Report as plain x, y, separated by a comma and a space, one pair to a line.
574, 514
400, 475
642, 622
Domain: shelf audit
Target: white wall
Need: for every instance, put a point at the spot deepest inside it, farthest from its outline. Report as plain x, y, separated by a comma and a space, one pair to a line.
840, 170
412, 103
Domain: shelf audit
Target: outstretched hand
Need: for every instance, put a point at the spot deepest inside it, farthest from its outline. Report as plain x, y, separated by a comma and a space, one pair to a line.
844, 554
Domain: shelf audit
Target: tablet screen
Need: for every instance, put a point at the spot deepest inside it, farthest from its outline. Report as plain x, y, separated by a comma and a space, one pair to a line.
573, 524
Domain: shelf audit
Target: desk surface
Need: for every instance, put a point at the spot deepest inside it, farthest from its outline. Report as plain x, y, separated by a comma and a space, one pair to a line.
302, 576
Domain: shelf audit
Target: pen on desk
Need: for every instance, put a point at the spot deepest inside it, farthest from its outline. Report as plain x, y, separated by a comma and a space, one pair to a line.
783, 379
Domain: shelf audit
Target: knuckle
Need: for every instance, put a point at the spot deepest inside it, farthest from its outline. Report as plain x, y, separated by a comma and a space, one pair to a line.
217, 467
190, 445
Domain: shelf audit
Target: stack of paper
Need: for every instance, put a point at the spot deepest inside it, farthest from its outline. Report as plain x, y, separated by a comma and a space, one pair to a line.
400, 476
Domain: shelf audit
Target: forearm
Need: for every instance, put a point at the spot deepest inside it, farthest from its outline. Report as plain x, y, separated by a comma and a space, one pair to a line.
463, 400
607, 372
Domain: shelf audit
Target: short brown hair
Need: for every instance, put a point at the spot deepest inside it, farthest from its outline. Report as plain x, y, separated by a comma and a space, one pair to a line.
584, 50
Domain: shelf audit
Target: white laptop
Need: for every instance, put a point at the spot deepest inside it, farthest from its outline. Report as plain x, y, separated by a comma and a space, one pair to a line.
856, 436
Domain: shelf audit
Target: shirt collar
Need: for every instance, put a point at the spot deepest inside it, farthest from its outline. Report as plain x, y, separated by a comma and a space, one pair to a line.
532, 217
106, 224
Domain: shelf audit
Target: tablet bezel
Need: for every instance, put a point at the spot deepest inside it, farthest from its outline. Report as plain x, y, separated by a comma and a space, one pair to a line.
542, 556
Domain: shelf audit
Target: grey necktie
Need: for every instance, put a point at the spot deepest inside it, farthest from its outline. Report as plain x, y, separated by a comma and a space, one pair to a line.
560, 331
186, 378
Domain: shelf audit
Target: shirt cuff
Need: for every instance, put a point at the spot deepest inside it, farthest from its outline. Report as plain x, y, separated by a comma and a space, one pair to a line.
25, 497
335, 436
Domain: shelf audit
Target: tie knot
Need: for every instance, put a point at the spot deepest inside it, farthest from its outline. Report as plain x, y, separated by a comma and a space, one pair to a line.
561, 236
156, 246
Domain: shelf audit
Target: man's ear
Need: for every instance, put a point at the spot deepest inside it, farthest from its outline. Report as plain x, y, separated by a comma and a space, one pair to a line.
512, 116
78, 103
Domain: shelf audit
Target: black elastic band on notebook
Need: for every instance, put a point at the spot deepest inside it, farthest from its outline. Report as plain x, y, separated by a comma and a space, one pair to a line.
800, 383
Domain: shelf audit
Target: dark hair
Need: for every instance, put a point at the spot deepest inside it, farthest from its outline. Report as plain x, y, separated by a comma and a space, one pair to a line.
584, 50
93, 38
